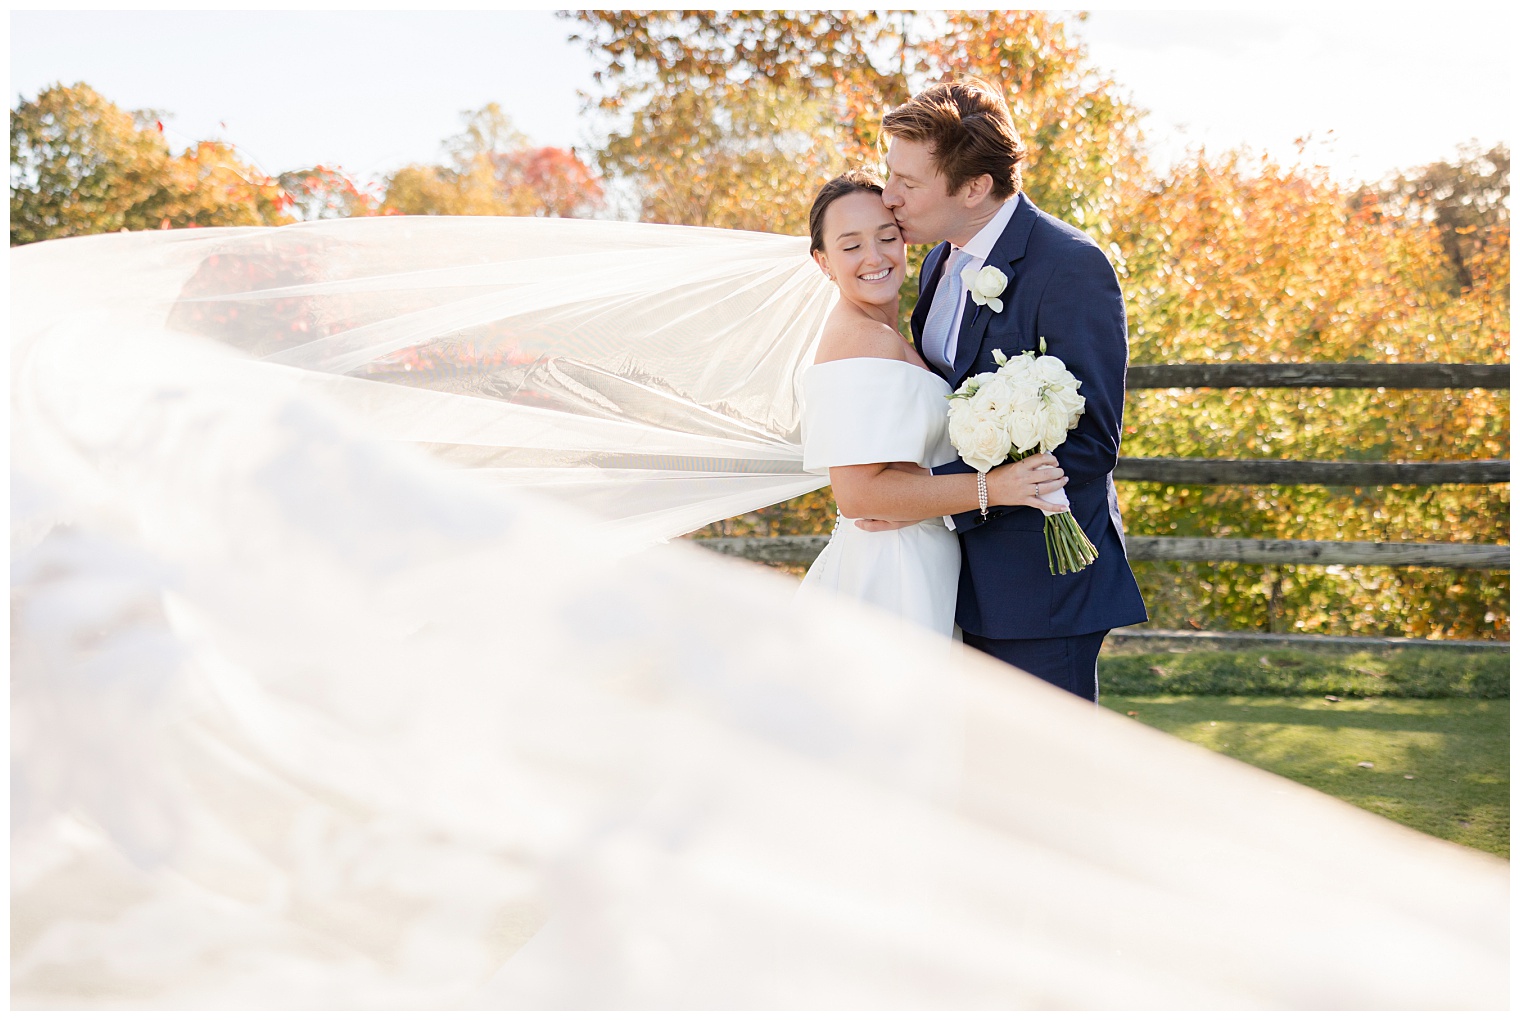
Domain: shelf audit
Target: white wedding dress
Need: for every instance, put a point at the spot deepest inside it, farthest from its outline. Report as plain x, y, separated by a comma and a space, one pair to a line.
335, 684
871, 411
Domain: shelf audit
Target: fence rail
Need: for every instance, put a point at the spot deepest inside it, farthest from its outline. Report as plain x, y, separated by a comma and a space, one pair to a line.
1212, 471
804, 549
1307, 551
1138, 639
1415, 376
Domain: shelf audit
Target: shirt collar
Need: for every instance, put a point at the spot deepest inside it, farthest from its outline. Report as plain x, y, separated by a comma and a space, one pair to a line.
980, 246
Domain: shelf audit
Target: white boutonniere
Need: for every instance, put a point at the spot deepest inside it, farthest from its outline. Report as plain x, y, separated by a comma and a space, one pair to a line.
985, 285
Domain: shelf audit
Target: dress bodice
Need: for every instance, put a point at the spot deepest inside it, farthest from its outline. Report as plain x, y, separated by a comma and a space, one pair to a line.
872, 411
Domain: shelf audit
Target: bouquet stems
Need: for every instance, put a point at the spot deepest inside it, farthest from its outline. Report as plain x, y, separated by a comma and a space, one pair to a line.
1067, 547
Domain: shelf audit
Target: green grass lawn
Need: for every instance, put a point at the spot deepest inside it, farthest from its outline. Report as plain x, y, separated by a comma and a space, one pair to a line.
1397, 672
1439, 765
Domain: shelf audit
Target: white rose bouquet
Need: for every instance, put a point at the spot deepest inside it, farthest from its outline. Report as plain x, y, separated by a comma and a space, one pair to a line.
1027, 406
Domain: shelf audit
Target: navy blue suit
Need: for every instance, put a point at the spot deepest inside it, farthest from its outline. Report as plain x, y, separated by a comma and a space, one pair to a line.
1060, 287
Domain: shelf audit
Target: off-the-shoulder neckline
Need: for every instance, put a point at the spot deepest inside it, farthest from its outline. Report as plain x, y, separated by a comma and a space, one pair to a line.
867, 358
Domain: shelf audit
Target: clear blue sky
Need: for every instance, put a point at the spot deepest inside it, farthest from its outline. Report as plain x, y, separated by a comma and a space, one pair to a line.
375, 90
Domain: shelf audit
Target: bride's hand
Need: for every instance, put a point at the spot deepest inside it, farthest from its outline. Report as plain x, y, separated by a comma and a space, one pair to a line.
1027, 483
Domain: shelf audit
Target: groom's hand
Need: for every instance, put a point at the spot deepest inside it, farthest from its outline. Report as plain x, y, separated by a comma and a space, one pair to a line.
880, 524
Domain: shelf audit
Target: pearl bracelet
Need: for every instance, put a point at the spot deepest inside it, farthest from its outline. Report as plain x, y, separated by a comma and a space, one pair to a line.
981, 493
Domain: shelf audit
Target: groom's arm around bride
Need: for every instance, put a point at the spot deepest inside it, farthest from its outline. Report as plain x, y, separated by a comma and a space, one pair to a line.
955, 180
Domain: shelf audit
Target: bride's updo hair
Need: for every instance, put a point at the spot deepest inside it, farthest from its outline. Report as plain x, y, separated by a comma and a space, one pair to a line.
847, 183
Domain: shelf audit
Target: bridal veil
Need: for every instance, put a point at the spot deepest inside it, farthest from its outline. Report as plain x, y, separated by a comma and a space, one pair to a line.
345, 675
645, 374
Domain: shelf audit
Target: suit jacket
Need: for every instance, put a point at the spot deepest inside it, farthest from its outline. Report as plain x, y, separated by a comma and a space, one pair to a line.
1060, 287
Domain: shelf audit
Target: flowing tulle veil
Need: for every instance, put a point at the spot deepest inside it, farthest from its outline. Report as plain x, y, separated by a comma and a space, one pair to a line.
647, 374
346, 674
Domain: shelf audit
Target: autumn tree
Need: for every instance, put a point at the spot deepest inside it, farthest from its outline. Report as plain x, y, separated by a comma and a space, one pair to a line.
82, 165
1085, 158
735, 118
491, 169
1466, 199
325, 192
1240, 258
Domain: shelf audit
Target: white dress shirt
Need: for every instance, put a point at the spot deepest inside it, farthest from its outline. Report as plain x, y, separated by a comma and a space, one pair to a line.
979, 247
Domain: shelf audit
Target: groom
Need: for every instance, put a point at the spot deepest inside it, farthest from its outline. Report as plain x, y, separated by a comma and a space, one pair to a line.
953, 161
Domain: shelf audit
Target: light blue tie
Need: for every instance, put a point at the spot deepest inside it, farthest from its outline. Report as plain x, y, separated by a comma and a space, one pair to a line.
947, 299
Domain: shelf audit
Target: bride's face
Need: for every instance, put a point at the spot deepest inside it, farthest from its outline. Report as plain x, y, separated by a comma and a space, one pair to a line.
862, 249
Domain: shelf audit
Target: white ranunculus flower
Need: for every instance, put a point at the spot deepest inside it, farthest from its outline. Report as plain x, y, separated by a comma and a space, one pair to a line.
1052, 429
972, 386
1023, 430
1064, 397
981, 439
1018, 371
981, 398
999, 391
985, 285
991, 281
1052, 370
1026, 397
1072, 403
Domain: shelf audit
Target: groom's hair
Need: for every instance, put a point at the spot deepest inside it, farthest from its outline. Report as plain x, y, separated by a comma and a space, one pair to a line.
969, 132
846, 183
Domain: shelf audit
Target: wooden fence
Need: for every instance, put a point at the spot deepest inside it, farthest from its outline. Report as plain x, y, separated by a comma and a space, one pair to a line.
802, 549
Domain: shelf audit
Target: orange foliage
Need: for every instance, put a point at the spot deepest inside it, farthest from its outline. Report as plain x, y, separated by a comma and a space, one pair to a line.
1238, 258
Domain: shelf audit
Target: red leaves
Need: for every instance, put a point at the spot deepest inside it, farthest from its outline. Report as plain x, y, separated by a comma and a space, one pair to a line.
324, 191
559, 180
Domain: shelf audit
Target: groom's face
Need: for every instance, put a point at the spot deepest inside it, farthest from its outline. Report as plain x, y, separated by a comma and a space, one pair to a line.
926, 213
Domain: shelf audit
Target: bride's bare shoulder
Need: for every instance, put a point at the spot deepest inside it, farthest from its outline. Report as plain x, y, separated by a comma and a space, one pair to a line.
853, 335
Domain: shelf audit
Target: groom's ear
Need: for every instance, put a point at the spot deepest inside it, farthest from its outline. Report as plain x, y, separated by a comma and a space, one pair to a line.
977, 189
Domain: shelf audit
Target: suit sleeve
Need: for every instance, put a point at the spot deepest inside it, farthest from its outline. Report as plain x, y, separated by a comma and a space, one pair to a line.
1081, 317
966, 521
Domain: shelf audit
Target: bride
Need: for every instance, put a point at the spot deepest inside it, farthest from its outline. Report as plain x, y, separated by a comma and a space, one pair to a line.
874, 415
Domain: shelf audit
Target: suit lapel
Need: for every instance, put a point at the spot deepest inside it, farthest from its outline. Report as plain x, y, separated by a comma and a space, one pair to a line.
974, 321
928, 283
